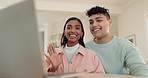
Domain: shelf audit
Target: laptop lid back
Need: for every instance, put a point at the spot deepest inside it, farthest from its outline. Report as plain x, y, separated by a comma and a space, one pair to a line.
20, 54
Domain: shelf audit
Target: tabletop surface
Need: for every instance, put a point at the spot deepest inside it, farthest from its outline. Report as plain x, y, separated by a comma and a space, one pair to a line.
92, 75
106, 76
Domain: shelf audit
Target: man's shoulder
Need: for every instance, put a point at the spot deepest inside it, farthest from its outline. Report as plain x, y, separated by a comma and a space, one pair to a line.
120, 39
87, 44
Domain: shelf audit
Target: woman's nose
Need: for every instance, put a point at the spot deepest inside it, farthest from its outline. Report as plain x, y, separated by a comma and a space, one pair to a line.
73, 30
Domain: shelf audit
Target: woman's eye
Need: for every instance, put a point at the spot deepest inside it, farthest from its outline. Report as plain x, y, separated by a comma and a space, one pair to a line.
68, 27
77, 28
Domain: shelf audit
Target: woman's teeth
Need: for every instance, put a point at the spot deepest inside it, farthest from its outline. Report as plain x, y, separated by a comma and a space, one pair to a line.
72, 35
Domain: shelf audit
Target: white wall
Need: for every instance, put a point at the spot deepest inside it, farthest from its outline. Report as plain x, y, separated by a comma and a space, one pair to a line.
56, 20
133, 21
114, 26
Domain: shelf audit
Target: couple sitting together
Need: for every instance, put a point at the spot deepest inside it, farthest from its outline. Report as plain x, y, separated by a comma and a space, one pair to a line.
106, 53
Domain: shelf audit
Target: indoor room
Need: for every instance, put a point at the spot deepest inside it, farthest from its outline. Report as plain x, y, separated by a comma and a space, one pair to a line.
129, 21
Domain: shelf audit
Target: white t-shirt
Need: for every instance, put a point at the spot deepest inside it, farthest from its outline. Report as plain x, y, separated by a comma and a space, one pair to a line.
70, 51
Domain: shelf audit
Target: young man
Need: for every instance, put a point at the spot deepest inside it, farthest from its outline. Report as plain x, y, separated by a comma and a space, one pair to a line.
115, 53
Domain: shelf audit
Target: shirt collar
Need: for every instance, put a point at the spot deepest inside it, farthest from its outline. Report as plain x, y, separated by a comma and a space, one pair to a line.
73, 47
81, 50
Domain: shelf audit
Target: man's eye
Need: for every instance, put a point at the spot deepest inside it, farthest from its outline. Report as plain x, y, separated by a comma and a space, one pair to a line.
99, 20
90, 22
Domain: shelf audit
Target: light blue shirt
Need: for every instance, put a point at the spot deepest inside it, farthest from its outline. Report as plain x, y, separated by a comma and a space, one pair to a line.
117, 55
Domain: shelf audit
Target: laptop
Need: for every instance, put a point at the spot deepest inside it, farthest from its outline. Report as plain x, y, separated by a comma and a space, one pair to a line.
21, 55
20, 52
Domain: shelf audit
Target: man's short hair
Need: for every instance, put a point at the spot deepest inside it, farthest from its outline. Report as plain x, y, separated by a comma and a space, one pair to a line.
98, 10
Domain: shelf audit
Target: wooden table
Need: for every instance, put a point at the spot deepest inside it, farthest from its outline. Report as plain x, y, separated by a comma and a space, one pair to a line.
91, 75
106, 76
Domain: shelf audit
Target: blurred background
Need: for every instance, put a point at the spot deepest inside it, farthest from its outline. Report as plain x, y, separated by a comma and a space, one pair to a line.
130, 19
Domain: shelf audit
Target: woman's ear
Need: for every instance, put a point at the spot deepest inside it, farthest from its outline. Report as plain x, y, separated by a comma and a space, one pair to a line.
81, 34
64, 34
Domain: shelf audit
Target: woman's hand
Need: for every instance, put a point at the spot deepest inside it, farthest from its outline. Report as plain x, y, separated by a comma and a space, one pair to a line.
53, 58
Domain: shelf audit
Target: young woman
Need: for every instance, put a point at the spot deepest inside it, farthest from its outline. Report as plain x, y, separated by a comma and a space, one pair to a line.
72, 56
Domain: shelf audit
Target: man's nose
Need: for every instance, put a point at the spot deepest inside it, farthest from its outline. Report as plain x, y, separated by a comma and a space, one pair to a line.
94, 24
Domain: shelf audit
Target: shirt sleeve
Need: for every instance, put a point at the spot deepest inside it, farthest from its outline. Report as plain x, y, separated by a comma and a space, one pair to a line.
135, 62
97, 64
48, 68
